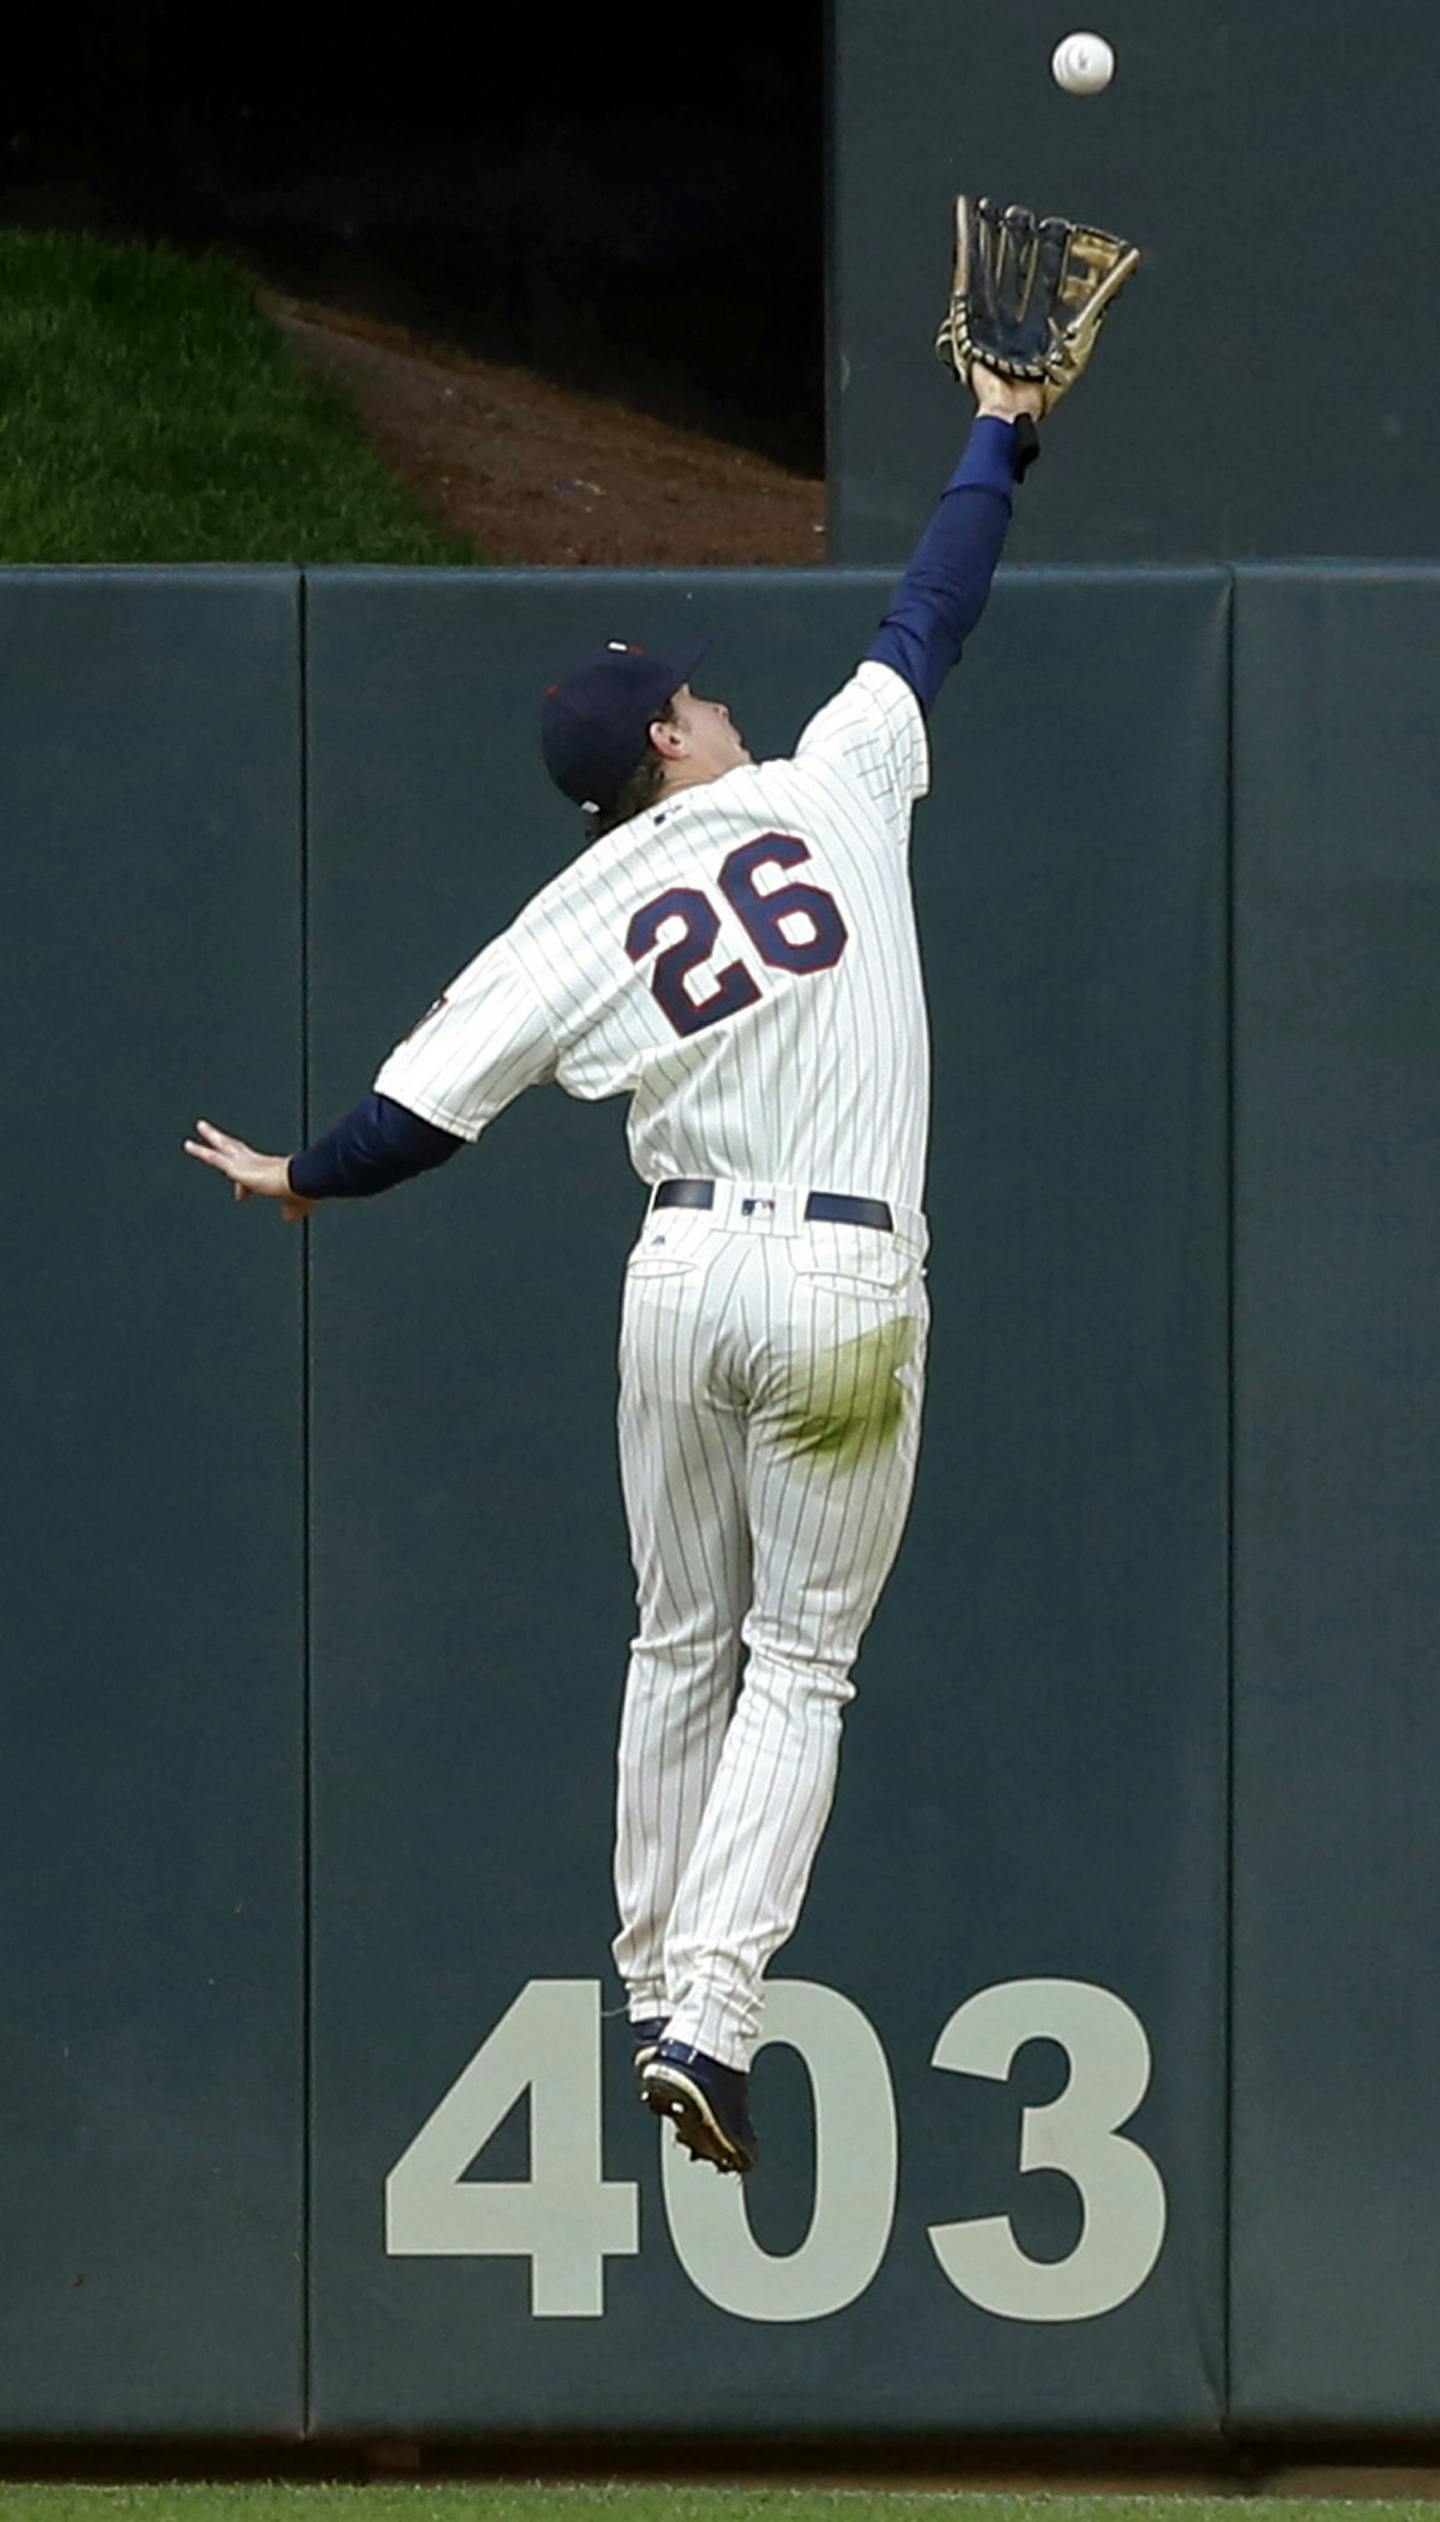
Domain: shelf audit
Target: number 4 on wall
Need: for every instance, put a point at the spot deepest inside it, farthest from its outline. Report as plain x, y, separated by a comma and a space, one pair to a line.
567, 2219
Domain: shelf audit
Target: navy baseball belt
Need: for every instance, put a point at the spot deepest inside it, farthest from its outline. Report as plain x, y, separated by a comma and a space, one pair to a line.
837, 1208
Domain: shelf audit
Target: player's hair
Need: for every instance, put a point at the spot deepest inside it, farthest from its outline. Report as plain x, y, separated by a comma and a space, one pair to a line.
641, 788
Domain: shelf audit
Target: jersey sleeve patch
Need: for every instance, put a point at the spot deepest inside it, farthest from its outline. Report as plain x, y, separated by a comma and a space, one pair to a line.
482, 1042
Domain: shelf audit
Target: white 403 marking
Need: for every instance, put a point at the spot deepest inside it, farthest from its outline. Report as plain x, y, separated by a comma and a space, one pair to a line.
567, 2219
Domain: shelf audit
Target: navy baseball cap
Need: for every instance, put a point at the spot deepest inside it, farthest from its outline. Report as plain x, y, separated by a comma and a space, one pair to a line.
595, 725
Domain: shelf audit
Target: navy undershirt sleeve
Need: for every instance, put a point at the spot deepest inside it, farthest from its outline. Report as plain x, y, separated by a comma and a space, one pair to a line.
943, 592
377, 1145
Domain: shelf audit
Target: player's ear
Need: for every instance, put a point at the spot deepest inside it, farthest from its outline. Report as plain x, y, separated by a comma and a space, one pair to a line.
668, 738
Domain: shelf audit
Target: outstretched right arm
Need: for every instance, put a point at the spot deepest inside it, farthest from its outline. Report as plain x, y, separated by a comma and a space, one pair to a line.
872, 733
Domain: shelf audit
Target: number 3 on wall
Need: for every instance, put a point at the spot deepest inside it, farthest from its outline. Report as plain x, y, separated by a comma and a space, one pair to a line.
1121, 2192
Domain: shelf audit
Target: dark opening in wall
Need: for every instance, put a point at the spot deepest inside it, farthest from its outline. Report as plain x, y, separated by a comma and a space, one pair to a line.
632, 202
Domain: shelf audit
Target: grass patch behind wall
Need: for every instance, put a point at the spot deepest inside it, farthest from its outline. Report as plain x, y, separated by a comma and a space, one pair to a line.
149, 412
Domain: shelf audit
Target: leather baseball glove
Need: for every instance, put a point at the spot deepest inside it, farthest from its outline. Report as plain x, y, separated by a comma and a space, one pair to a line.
1028, 295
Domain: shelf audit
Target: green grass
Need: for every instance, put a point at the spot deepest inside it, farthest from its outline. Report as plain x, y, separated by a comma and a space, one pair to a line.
481, 2503
150, 412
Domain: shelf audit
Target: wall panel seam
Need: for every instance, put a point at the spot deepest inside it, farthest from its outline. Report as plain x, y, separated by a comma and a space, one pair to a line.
307, 1809
1228, 1933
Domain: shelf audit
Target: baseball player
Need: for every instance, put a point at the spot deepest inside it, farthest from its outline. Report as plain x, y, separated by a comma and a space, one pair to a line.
735, 950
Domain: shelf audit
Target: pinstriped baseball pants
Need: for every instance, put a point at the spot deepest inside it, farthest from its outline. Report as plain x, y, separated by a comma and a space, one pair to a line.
771, 1379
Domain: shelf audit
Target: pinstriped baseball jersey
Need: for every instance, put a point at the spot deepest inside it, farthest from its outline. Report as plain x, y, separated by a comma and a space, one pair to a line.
741, 960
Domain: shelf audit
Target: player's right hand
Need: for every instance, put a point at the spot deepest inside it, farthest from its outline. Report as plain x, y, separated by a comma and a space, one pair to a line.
250, 1175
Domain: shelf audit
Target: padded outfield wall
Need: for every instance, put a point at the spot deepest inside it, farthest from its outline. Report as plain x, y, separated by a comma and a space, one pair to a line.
1094, 2098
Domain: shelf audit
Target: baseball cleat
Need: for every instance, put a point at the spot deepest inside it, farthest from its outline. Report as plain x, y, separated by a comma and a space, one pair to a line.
647, 2037
706, 2104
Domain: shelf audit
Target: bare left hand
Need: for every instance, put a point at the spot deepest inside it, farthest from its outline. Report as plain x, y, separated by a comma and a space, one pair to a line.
250, 1175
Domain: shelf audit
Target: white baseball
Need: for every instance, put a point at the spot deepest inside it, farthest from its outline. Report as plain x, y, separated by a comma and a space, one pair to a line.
1082, 64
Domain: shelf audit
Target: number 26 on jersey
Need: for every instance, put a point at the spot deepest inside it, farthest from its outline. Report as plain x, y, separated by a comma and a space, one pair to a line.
793, 927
